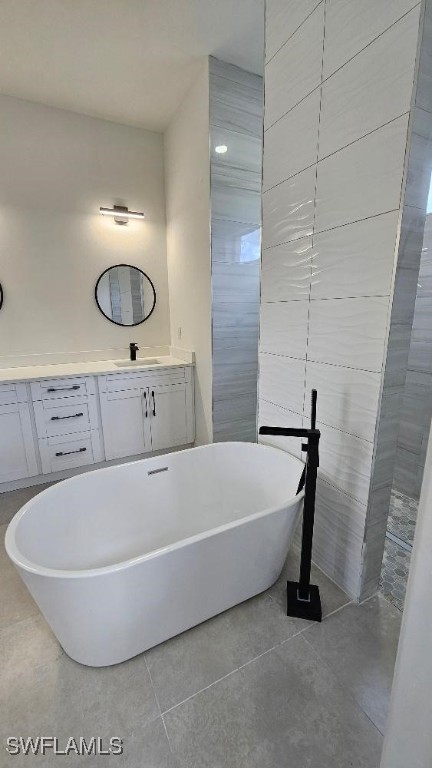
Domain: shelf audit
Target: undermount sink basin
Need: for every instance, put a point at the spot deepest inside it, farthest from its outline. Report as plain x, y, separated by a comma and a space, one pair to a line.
137, 363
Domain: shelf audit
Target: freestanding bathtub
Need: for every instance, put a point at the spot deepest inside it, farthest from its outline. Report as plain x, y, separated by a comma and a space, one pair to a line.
120, 559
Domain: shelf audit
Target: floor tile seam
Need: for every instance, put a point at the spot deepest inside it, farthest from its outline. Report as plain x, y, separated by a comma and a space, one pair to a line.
224, 677
311, 624
342, 687
158, 705
242, 666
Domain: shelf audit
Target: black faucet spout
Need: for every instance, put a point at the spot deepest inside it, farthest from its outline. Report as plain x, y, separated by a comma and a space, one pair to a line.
133, 350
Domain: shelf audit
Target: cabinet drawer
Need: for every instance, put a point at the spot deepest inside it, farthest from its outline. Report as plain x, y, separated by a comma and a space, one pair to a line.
53, 389
62, 416
117, 382
13, 393
69, 451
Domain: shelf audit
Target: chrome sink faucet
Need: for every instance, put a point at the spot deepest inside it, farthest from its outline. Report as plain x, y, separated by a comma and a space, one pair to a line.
133, 350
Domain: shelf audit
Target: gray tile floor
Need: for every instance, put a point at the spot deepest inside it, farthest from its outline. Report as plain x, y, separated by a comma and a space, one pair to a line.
247, 689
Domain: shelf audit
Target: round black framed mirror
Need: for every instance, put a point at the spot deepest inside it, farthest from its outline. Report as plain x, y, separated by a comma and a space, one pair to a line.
1, 295
125, 295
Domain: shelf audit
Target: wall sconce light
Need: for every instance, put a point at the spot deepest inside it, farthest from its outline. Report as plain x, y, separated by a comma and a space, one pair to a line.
121, 213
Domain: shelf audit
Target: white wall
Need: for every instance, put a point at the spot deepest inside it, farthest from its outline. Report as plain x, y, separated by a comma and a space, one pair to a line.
187, 182
57, 168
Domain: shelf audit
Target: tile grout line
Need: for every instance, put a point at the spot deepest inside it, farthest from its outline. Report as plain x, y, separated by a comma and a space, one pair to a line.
337, 226
158, 705
336, 151
314, 212
341, 685
293, 33
242, 666
323, 362
334, 298
215, 682
348, 61
255, 658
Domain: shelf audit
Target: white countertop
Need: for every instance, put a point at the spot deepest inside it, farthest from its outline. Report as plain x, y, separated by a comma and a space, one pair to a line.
97, 367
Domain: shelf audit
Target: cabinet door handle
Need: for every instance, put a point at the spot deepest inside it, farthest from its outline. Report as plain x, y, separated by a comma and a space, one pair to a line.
145, 400
67, 453
72, 416
154, 404
63, 389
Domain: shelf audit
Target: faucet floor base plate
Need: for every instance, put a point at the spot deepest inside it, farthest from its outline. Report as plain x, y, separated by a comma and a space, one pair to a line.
303, 609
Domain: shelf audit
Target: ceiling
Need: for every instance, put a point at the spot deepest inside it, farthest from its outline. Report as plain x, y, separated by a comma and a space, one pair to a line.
130, 61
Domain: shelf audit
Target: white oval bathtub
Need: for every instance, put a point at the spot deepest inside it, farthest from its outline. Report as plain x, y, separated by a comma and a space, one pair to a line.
122, 558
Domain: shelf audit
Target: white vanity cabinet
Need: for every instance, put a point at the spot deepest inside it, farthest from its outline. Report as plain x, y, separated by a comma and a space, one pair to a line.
124, 424
51, 426
146, 411
17, 450
170, 415
67, 422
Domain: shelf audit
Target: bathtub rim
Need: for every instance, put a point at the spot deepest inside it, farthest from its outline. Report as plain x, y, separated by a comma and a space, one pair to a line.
20, 561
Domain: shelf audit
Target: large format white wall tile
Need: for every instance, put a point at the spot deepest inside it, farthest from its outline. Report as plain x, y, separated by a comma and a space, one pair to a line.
283, 19
349, 332
338, 536
345, 461
363, 179
288, 209
424, 78
296, 69
271, 415
281, 381
291, 144
347, 399
355, 260
371, 89
286, 271
284, 328
351, 25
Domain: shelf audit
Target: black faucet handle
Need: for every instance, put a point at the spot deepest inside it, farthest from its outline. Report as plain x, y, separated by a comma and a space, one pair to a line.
133, 345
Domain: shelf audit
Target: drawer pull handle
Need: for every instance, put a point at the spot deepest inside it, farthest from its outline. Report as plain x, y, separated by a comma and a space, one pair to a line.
67, 453
72, 416
63, 389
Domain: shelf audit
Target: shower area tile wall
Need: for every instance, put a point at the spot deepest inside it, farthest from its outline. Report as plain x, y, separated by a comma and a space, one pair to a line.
236, 116
339, 84
416, 410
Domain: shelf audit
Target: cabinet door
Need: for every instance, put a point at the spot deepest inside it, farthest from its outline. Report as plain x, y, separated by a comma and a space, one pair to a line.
169, 415
124, 424
17, 448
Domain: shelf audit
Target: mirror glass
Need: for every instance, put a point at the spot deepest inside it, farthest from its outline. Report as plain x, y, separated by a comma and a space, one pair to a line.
125, 295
